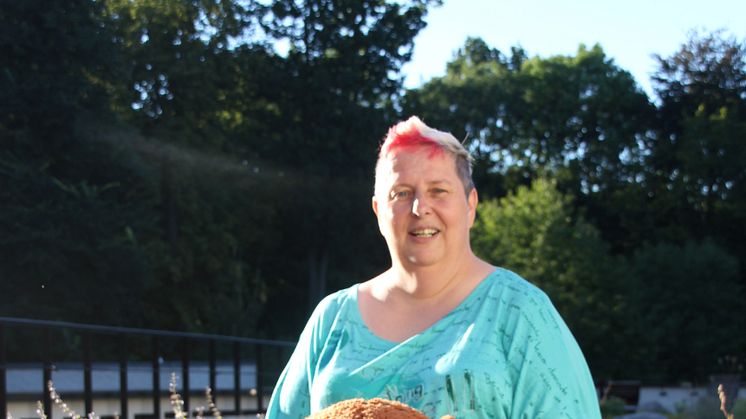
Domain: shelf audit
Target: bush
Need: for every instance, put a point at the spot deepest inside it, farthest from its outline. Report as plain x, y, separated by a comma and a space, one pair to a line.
739, 409
704, 408
611, 407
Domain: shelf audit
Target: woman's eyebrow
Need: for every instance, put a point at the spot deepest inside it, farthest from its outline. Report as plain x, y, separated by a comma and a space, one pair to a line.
429, 183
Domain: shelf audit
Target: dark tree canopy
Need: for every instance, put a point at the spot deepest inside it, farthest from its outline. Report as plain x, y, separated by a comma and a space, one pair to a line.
207, 165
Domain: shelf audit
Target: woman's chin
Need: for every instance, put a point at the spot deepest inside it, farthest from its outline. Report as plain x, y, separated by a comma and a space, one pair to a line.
423, 260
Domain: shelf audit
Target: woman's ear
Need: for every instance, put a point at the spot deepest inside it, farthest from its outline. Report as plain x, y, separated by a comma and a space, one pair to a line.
472, 201
374, 204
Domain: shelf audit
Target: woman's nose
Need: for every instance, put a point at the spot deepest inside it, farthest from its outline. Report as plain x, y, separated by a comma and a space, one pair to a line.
420, 206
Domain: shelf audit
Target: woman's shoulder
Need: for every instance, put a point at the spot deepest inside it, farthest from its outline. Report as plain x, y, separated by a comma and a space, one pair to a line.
334, 301
510, 284
524, 304
517, 297
328, 313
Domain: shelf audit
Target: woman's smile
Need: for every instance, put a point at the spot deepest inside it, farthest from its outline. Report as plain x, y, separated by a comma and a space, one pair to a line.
424, 232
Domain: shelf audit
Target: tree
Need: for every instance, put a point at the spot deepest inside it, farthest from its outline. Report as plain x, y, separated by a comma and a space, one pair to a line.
581, 118
82, 212
173, 54
344, 58
471, 102
707, 73
685, 299
696, 174
69, 224
196, 86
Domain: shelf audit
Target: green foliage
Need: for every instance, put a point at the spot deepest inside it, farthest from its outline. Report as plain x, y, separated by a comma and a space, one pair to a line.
612, 407
739, 410
703, 408
66, 238
52, 55
598, 114
688, 299
695, 171
161, 154
707, 71
69, 209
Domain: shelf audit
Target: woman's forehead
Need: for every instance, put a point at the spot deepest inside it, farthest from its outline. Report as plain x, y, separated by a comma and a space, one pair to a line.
430, 150
417, 161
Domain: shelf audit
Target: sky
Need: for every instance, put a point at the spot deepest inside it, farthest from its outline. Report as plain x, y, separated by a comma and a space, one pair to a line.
629, 32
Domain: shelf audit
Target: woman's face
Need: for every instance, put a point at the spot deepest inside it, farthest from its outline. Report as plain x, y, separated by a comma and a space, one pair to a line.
422, 210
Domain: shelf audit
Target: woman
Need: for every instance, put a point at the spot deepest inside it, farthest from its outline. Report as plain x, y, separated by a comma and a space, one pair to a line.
441, 330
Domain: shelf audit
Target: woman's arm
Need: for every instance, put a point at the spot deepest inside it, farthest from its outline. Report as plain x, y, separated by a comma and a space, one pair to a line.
552, 379
291, 397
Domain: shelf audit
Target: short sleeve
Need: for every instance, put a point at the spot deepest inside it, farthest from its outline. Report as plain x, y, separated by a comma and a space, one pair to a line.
291, 396
552, 379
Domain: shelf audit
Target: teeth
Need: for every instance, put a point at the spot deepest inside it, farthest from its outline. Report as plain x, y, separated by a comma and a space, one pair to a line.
428, 232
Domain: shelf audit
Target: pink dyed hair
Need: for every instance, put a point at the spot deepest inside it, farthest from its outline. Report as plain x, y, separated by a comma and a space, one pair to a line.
407, 134
414, 133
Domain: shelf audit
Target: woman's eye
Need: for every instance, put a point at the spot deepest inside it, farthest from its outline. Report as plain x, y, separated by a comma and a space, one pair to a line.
399, 194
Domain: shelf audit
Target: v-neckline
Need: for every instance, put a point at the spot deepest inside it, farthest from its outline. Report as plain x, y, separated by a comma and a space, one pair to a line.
390, 343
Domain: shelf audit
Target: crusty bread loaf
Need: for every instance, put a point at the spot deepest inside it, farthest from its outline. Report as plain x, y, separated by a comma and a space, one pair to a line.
370, 409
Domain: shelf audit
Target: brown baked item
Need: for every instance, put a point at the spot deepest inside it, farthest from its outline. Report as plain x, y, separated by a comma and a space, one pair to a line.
370, 409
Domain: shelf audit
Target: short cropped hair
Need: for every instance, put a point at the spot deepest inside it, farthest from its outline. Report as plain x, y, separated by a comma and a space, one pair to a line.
413, 132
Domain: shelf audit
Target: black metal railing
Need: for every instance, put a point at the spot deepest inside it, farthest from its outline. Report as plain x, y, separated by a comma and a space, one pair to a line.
87, 335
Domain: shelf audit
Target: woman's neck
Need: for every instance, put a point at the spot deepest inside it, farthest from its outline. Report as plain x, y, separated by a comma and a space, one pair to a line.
432, 283
400, 303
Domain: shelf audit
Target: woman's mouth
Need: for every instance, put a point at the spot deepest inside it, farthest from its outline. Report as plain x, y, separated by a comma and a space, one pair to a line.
424, 232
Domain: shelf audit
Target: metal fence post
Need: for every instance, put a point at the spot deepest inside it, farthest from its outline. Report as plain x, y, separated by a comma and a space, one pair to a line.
185, 374
156, 379
213, 372
87, 366
123, 355
47, 367
259, 383
3, 388
237, 378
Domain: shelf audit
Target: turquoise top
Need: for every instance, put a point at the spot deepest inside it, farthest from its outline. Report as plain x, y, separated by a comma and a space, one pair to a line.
504, 352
